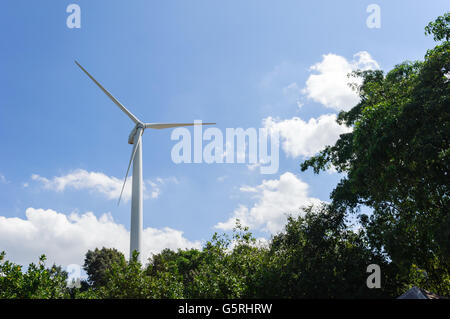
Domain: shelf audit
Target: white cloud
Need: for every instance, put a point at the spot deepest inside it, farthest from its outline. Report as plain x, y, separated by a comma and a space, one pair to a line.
3, 179
329, 85
98, 182
65, 239
300, 138
156, 185
292, 93
274, 200
279, 87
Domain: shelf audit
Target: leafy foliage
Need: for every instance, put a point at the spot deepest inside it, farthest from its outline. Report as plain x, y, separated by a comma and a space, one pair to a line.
38, 282
98, 261
130, 280
397, 160
439, 28
319, 256
230, 266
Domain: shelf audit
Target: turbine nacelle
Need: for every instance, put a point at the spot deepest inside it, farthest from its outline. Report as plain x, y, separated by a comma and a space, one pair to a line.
133, 132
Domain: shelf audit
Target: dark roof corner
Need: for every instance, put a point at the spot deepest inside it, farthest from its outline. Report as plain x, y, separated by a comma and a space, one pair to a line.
417, 293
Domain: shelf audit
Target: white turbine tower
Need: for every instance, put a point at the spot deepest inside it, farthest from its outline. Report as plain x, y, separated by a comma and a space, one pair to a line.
136, 158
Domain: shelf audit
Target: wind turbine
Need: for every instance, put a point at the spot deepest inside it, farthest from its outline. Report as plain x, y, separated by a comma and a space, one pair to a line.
135, 138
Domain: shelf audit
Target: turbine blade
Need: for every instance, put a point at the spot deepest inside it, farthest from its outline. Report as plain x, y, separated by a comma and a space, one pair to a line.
123, 108
133, 153
159, 126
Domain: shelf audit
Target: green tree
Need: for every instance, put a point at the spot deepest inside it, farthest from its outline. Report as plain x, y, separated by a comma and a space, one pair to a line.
215, 277
396, 161
182, 264
319, 256
439, 28
130, 280
230, 266
38, 282
97, 262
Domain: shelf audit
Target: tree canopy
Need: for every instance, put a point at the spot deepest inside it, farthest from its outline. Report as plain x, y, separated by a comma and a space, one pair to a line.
396, 160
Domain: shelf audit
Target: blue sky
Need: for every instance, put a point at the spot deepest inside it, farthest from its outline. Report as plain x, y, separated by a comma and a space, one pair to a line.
237, 63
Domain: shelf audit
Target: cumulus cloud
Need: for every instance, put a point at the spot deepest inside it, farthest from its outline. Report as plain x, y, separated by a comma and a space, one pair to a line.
328, 84
65, 239
301, 138
274, 200
109, 186
156, 186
